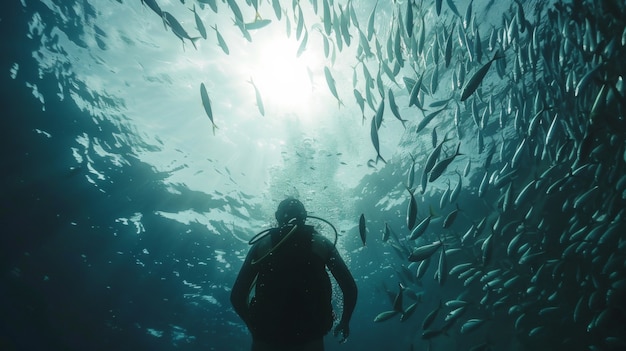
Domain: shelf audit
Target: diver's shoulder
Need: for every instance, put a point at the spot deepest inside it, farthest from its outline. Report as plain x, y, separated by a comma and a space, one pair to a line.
321, 245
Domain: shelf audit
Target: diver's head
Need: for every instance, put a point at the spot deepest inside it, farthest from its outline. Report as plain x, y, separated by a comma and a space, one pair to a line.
291, 211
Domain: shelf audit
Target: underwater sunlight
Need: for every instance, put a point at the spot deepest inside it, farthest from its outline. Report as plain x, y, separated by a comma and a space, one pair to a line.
471, 156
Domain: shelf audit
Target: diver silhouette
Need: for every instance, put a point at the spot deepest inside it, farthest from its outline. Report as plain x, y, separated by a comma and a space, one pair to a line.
283, 292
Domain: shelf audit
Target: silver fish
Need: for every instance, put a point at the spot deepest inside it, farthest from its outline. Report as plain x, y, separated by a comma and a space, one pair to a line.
478, 77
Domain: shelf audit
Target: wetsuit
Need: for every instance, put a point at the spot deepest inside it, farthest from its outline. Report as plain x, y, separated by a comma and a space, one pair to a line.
283, 292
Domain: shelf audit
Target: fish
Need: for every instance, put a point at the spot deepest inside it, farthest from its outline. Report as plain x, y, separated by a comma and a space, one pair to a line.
424, 180
236, 10
420, 228
442, 269
287, 25
300, 23
442, 165
434, 79
212, 4
362, 228
385, 316
206, 102
364, 44
519, 152
370, 22
344, 26
423, 252
487, 250
448, 50
478, 77
434, 155
398, 300
411, 175
199, 23
303, 44
386, 232
433, 137
178, 29
484, 185
428, 334
422, 267
414, 92
430, 317
242, 28
455, 314
454, 304
449, 220
154, 6
220, 40
394, 108
369, 97
259, 100
467, 168
428, 118
468, 15
277, 10
375, 141
408, 312
326, 17
331, 85
409, 18
257, 24
452, 7
454, 194
380, 111
411, 212
397, 47
360, 101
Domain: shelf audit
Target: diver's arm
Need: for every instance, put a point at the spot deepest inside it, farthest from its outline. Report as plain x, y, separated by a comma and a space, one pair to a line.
241, 288
346, 282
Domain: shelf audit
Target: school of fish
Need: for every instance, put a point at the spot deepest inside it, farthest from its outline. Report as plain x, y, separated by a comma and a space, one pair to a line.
529, 233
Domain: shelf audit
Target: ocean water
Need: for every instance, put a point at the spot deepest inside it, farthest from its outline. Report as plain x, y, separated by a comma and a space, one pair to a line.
126, 210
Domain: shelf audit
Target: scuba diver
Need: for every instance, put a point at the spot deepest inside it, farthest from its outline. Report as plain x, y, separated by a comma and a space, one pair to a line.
283, 292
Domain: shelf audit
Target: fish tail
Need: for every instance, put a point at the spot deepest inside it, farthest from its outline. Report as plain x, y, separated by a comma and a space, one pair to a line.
498, 55
193, 41
378, 157
432, 212
409, 190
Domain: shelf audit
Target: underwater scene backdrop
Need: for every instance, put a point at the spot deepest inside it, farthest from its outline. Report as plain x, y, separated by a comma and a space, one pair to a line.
146, 141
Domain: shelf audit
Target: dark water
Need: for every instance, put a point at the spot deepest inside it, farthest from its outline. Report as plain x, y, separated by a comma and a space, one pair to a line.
91, 258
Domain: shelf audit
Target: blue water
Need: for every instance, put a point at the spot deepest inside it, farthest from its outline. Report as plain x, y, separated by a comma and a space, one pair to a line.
126, 216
